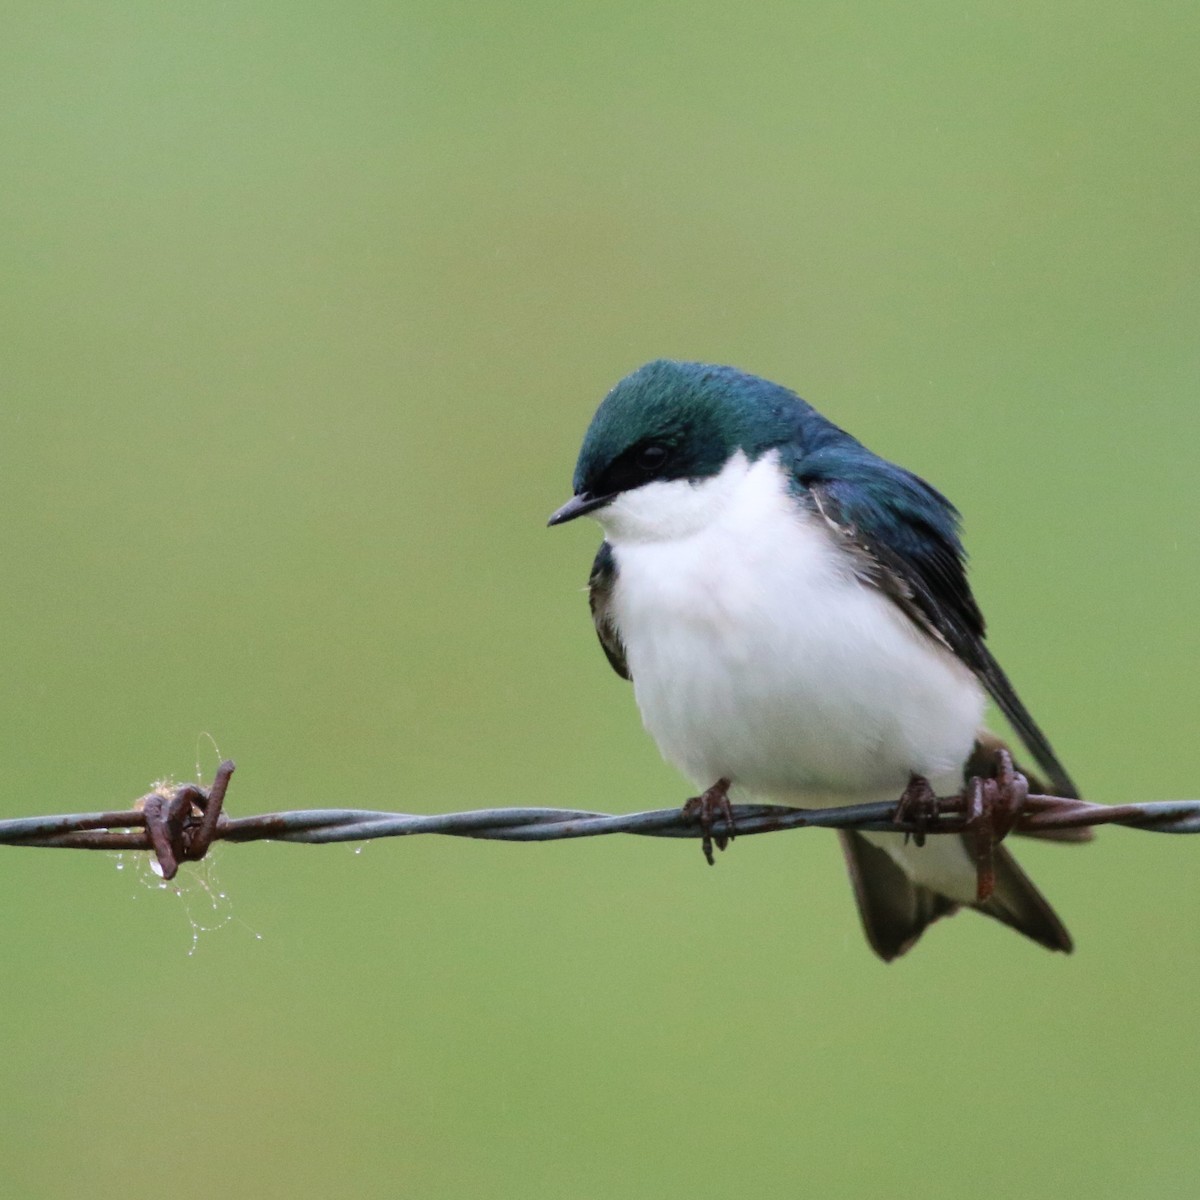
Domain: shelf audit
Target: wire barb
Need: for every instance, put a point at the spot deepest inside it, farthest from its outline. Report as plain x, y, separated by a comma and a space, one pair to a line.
180, 824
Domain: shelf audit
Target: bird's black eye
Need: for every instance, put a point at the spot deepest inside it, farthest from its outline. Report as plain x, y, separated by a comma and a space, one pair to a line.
651, 457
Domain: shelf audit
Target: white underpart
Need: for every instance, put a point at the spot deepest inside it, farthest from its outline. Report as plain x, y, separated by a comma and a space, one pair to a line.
757, 656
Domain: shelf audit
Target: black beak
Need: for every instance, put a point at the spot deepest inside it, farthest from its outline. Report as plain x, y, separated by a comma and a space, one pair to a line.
577, 506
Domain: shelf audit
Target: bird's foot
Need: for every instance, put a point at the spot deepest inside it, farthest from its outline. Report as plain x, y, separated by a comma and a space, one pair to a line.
918, 806
991, 808
705, 809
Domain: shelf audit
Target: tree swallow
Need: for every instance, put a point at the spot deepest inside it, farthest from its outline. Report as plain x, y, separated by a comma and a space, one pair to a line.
794, 614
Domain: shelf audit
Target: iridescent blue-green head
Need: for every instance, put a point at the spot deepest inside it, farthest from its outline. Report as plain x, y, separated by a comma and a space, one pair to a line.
682, 421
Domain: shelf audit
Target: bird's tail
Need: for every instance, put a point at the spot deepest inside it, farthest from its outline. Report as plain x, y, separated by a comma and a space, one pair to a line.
896, 907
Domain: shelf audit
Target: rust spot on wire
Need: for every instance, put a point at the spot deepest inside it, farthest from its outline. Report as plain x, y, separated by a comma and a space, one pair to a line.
181, 822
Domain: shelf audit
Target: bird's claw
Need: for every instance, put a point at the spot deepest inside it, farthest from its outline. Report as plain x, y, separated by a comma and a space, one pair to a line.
917, 807
705, 809
991, 808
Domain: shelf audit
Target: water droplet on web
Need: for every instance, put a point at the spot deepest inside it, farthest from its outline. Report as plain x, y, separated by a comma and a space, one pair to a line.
206, 906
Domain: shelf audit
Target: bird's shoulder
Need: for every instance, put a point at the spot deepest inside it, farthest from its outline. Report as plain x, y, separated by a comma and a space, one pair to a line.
902, 535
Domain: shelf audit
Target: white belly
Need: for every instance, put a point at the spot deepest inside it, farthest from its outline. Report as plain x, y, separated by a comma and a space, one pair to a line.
758, 657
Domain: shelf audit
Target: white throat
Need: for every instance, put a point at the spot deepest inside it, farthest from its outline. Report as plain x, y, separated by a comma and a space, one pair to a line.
678, 508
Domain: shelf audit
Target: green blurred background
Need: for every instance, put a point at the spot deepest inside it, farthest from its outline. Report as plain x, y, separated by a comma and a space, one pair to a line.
305, 308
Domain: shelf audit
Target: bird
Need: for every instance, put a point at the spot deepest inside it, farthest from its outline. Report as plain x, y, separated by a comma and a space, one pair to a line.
794, 615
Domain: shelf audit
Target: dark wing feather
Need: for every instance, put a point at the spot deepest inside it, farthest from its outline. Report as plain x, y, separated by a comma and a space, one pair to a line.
600, 588
904, 535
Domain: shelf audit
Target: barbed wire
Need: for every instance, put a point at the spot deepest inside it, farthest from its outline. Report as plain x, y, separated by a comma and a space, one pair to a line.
179, 823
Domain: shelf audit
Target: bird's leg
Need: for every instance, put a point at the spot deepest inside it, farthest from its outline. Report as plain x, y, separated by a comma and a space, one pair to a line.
705, 808
992, 808
1012, 790
918, 806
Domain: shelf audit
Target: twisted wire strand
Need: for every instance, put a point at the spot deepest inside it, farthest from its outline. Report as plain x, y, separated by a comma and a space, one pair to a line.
185, 810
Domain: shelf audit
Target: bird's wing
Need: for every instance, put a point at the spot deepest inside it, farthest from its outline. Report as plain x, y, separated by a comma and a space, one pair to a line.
600, 589
903, 535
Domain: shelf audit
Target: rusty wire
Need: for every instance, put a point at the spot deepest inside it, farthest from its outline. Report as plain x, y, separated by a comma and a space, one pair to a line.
179, 823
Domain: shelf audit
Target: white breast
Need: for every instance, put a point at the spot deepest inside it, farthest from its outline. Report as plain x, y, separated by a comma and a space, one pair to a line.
757, 656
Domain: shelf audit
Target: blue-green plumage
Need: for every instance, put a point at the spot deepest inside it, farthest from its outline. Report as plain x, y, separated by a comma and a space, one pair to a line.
697, 411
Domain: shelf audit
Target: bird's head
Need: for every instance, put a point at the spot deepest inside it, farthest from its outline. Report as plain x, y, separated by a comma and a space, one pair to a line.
668, 442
